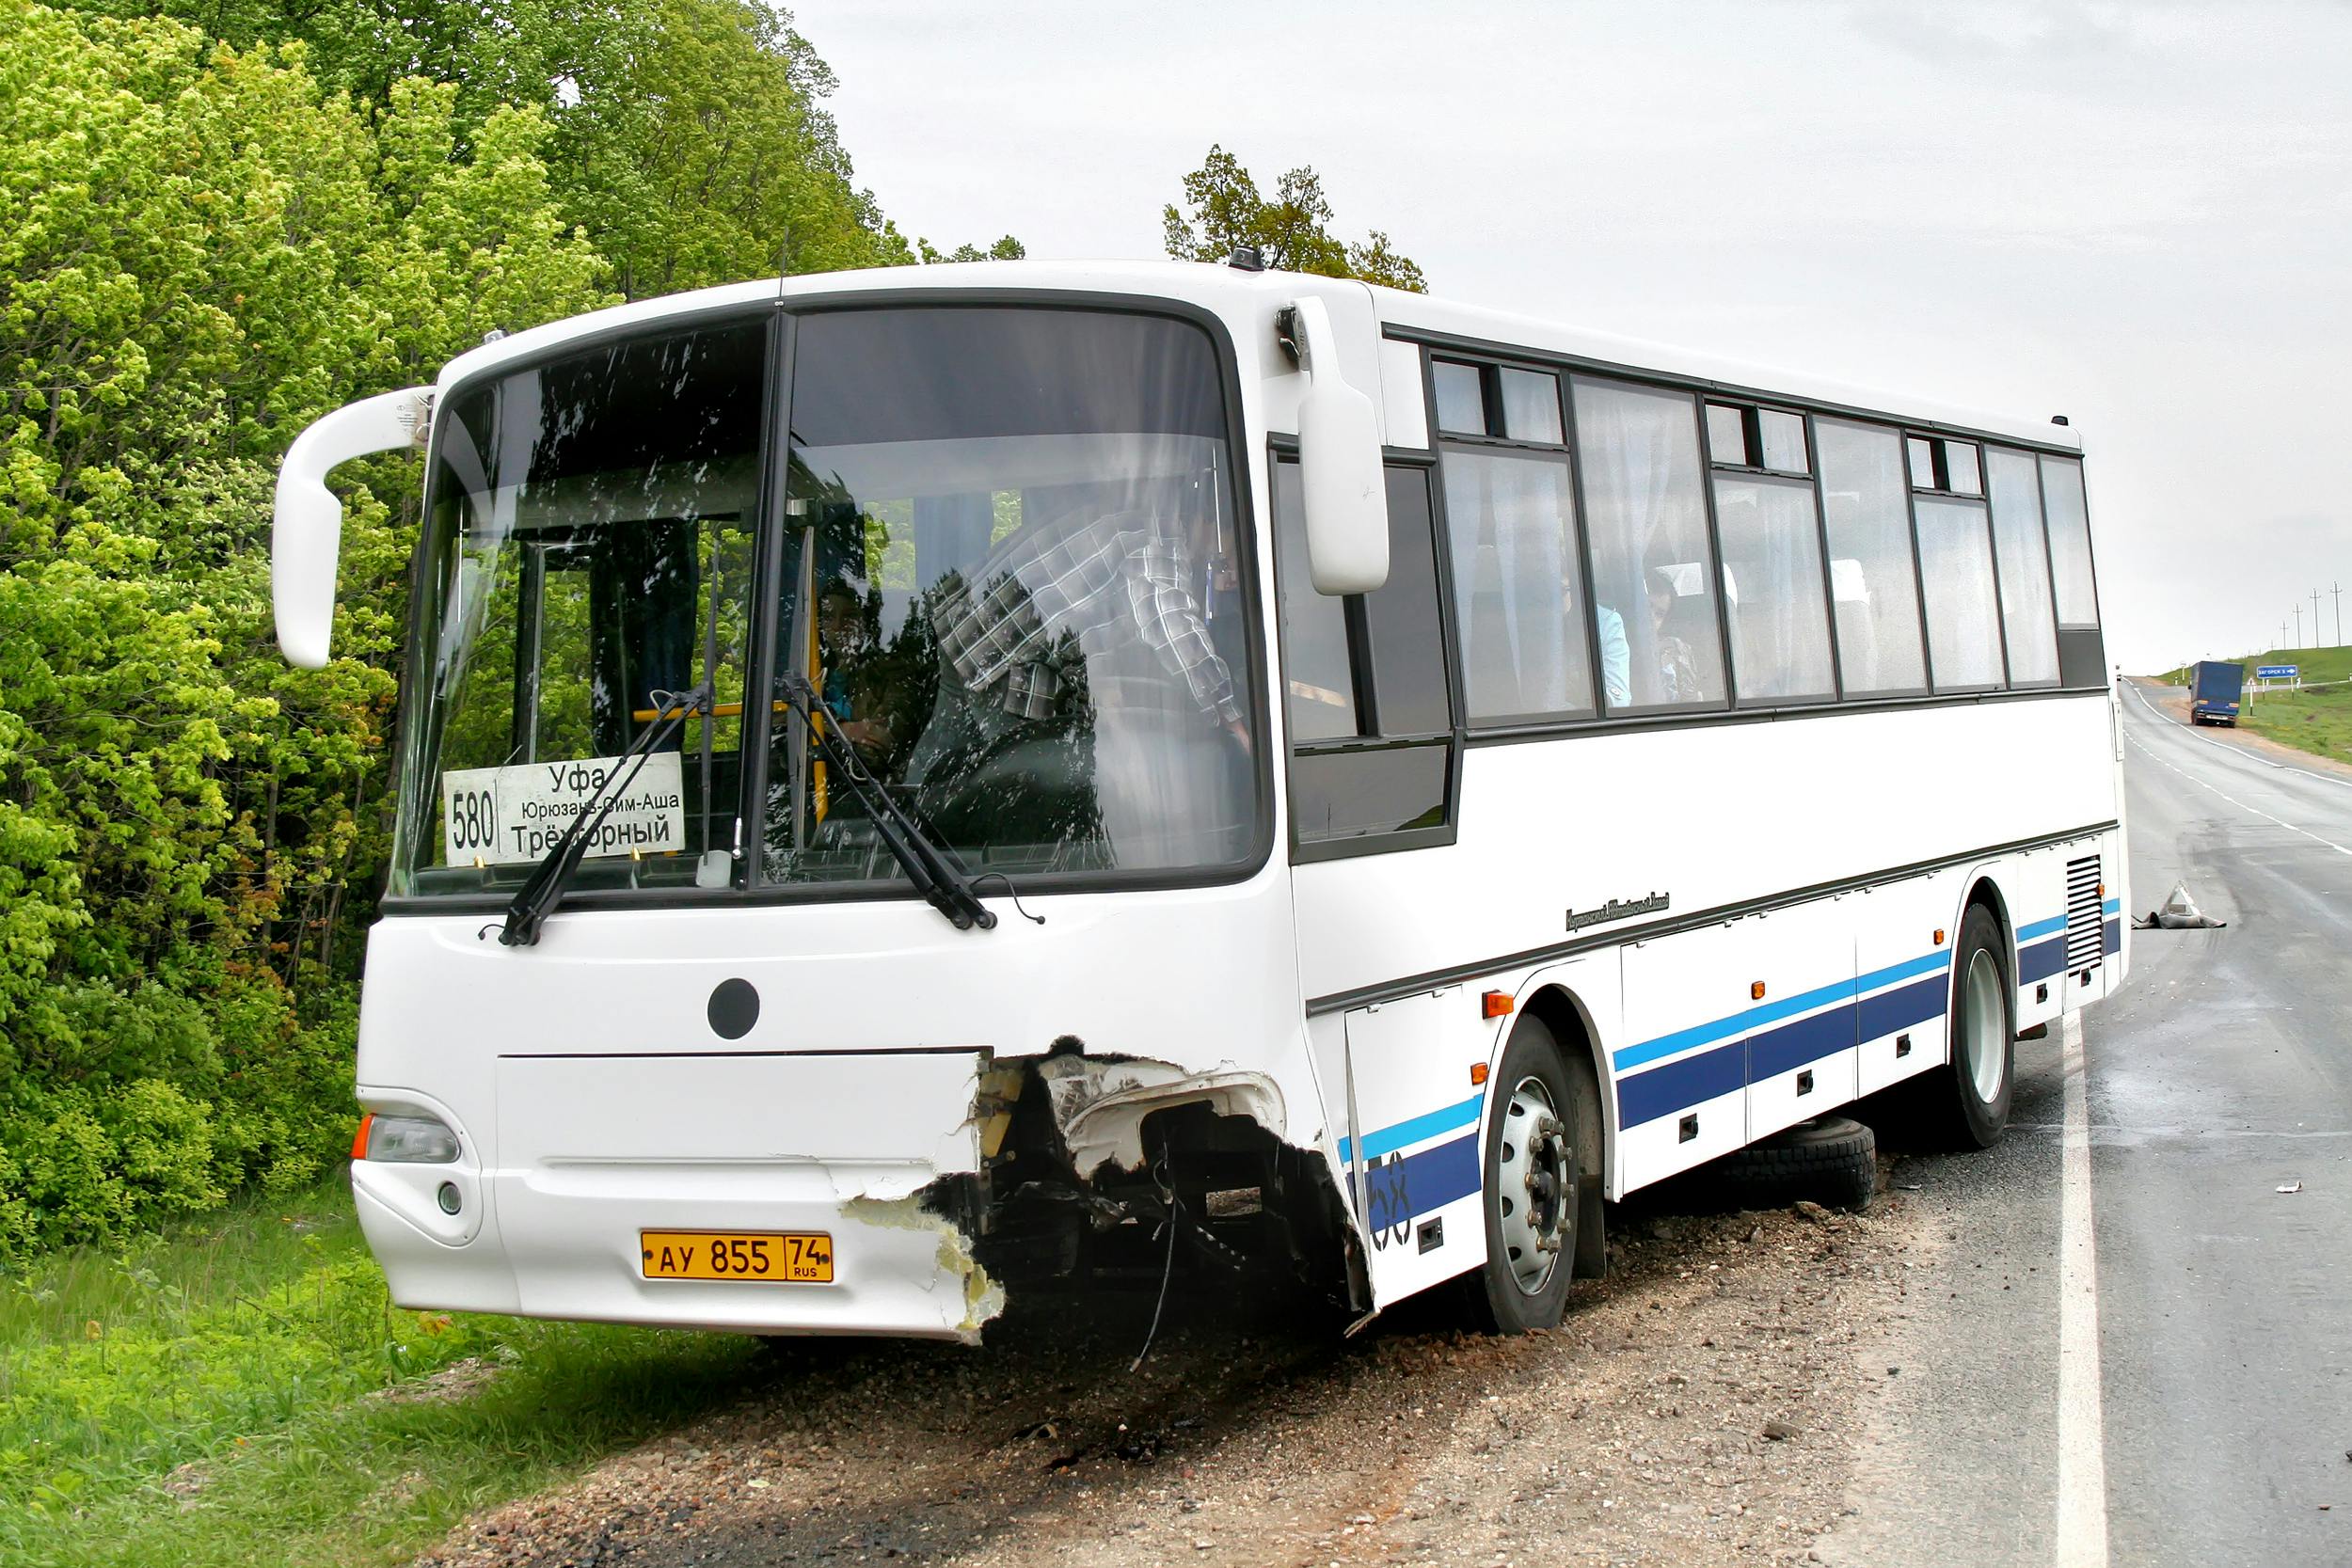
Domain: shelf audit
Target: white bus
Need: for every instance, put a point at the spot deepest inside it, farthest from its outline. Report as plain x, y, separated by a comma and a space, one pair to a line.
1241, 770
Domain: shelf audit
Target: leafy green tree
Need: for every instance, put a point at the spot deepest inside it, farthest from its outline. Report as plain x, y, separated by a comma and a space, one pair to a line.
1006, 249
689, 136
1222, 209
199, 251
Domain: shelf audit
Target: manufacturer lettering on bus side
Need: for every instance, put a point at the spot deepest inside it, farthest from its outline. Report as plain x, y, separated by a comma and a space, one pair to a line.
1618, 908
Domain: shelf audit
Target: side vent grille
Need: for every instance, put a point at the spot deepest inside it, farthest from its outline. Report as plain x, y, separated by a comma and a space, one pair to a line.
2085, 914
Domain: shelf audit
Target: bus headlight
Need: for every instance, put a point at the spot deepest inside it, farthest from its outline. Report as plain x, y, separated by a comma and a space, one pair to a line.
407, 1140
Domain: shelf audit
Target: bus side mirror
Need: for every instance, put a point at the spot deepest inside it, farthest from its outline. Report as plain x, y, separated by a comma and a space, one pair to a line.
307, 534
1341, 483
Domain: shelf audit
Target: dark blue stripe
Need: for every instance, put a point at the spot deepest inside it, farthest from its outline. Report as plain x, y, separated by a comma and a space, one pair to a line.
2042, 960
1662, 1091
1808, 1039
1397, 1190
2114, 940
1899, 1009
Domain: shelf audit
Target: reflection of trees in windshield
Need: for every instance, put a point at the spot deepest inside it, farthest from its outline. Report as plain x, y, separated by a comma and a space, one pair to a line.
591, 546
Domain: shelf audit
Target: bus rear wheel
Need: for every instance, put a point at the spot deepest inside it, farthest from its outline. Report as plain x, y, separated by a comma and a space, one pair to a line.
1535, 1186
1967, 1101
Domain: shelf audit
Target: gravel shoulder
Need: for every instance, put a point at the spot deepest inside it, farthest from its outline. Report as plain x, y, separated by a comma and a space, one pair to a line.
1701, 1406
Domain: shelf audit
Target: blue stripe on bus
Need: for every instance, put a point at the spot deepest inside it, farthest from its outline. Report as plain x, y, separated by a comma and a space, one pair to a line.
1662, 1091
2041, 928
1843, 990
1647, 1096
1794, 1045
1387, 1140
1891, 1010
2113, 905
1404, 1188
2040, 961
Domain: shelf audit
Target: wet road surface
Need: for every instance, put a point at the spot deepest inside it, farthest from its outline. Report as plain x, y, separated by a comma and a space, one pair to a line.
2222, 1422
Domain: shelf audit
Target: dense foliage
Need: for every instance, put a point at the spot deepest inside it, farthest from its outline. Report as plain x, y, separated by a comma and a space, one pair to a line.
208, 237
1292, 231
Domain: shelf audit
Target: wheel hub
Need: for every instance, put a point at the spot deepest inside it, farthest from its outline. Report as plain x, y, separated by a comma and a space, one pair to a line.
1535, 1186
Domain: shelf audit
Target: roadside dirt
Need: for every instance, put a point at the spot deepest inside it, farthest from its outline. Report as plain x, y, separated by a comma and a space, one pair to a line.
1700, 1406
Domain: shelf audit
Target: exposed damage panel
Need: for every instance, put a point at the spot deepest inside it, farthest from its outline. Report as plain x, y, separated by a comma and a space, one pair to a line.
1087, 1159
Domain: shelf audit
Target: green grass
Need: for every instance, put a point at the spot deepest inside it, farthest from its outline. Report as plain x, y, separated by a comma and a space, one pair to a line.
2315, 721
202, 1397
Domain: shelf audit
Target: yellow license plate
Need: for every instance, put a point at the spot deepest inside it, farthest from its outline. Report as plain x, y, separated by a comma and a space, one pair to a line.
777, 1257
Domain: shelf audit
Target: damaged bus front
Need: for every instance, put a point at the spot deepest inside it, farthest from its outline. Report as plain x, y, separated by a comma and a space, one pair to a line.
831, 878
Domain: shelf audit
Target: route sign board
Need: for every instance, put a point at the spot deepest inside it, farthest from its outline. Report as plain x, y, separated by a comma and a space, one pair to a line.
2278, 671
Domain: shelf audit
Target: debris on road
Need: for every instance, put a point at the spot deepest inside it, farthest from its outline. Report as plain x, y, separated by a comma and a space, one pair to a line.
2180, 913
2292, 1187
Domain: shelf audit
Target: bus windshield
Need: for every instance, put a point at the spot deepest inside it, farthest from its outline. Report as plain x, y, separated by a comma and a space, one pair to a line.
1013, 574
1003, 551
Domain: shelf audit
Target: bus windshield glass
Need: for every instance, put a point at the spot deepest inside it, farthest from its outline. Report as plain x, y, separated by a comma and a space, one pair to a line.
588, 559
1011, 571
1002, 551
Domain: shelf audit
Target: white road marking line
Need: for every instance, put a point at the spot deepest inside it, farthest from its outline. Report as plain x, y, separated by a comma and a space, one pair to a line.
2233, 751
2082, 1465
2234, 800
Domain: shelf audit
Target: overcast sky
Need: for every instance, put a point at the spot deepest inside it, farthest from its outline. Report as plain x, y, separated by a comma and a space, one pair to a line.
2139, 216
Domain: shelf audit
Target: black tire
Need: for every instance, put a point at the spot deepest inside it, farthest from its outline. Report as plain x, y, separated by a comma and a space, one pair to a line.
1831, 1160
1557, 1197
1954, 1109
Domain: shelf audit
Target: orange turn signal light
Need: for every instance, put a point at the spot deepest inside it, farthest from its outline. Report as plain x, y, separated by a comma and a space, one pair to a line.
1478, 1073
1496, 1004
359, 1139
1756, 990
1939, 936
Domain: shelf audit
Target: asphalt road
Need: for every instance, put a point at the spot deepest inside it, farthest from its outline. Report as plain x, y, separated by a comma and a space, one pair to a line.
2217, 1406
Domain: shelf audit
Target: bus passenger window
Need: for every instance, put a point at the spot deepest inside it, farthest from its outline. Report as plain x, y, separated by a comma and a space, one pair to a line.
1963, 622
2070, 544
1646, 520
1512, 523
1773, 561
1461, 397
1873, 575
2027, 619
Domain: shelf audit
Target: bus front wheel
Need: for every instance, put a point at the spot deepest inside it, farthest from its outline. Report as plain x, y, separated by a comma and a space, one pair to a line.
1535, 1172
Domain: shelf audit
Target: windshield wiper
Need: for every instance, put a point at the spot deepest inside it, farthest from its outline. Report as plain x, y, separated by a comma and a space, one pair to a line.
544, 889
941, 885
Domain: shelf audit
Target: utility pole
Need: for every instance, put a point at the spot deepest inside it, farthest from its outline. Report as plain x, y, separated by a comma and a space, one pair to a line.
2337, 589
2314, 617
2298, 627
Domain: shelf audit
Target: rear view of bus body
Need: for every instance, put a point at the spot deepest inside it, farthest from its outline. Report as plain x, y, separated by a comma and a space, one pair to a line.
1674, 762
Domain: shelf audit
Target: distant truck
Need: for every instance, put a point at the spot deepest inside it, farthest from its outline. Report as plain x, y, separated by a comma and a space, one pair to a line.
2214, 691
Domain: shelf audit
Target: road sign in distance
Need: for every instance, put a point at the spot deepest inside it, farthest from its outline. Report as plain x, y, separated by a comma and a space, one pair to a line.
2277, 672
